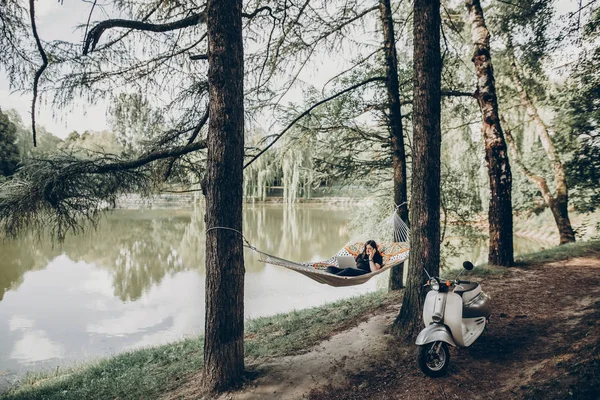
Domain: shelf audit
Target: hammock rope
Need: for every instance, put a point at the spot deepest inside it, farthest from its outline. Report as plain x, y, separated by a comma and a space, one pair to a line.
393, 254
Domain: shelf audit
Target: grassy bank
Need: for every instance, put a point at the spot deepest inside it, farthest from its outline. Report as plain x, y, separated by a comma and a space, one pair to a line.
148, 373
559, 253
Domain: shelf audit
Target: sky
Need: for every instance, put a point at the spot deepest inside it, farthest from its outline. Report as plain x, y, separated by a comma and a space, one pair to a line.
56, 21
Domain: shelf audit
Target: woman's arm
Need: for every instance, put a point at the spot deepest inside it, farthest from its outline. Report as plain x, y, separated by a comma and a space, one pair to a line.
373, 265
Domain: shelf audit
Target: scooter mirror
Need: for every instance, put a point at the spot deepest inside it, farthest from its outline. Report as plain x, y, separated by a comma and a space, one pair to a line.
468, 265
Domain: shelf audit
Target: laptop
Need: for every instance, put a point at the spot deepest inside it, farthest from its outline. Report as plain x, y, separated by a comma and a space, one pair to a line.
346, 261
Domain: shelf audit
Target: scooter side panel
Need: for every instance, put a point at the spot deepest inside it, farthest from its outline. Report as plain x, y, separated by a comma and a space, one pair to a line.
429, 307
453, 317
434, 333
477, 307
471, 294
472, 329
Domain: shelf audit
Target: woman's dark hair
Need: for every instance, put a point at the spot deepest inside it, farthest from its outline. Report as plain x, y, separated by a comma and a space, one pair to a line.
373, 245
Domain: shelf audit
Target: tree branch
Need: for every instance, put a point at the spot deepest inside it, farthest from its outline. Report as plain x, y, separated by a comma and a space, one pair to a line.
40, 71
96, 32
253, 14
305, 113
457, 93
64, 192
87, 25
193, 137
145, 159
199, 57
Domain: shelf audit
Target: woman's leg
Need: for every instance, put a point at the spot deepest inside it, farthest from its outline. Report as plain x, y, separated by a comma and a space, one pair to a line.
351, 272
334, 270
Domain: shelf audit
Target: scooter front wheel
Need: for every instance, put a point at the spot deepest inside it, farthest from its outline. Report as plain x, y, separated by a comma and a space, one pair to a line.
433, 358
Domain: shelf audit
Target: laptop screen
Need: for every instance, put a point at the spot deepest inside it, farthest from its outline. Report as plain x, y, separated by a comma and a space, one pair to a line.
346, 261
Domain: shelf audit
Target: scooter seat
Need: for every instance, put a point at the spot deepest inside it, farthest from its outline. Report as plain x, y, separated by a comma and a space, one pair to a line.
465, 287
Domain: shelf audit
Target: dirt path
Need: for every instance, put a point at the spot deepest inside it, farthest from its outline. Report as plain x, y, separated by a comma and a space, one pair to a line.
332, 361
543, 343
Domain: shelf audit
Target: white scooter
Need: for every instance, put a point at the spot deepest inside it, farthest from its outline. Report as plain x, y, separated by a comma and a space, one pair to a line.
455, 318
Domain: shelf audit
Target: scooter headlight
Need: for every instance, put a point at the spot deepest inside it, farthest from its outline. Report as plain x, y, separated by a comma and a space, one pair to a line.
435, 285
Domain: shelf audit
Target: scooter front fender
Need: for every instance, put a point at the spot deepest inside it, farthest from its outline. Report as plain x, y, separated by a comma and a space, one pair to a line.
435, 333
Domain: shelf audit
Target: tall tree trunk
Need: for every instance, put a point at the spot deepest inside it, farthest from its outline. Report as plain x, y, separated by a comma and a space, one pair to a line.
425, 188
395, 124
496, 156
559, 203
224, 326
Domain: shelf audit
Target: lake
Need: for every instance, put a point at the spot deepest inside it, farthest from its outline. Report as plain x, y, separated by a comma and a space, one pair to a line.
138, 280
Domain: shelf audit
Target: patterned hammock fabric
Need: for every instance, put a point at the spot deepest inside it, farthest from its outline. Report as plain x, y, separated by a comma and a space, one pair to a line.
393, 254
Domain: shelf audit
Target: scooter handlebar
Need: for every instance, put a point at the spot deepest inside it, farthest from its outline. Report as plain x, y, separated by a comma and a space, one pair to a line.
460, 282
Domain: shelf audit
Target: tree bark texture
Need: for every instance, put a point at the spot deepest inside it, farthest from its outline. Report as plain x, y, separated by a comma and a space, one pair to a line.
396, 131
496, 155
425, 188
224, 326
558, 204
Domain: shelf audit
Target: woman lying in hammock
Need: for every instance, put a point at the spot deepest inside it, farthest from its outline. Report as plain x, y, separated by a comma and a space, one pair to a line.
370, 260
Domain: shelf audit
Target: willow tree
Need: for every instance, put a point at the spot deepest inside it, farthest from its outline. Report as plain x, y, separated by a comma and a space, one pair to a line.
501, 250
425, 186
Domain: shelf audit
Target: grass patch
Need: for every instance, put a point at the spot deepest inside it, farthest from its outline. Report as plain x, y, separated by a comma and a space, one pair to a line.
559, 253
137, 374
148, 373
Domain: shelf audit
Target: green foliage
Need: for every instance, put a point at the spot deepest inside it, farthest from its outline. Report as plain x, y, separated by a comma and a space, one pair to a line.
137, 374
134, 121
263, 172
60, 193
90, 143
350, 134
9, 151
47, 143
578, 120
524, 29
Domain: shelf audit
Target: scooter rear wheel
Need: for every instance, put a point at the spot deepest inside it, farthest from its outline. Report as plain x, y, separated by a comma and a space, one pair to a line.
433, 358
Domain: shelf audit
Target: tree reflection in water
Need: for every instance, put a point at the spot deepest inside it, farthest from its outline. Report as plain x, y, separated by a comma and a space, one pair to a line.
139, 248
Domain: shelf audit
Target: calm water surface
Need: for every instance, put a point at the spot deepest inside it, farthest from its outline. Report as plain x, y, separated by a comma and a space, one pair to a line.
138, 280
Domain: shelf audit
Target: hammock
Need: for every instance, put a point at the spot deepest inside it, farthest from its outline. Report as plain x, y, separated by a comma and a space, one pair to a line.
393, 254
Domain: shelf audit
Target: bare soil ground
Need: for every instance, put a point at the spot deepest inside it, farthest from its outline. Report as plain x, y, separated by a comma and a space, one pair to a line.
542, 343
